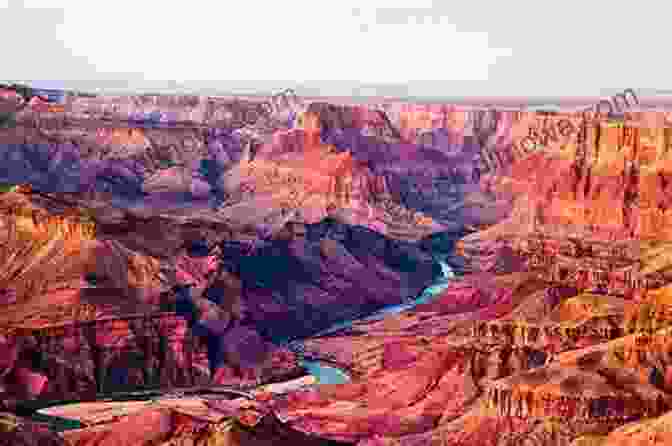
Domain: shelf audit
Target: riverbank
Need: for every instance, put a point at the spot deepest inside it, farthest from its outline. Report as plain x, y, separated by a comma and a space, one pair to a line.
328, 370
324, 370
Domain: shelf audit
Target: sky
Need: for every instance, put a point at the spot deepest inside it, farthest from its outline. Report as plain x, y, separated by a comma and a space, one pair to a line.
398, 48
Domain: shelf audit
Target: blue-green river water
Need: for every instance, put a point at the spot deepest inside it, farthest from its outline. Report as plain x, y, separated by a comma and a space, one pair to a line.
327, 374
323, 372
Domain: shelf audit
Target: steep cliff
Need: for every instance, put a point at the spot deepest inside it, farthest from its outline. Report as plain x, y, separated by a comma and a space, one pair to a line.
88, 312
578, 341
73, 260
185, 245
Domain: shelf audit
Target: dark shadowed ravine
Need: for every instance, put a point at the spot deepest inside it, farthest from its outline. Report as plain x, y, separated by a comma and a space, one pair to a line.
323, 372
328, 374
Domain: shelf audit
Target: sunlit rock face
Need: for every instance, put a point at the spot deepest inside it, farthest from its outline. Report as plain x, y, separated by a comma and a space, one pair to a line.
126, 262
391, 182
120, 306
561, 346
123, 354
436, 158
649, 432
599, 190
106, 321
20, 431
206, 244
192, 422
550, 385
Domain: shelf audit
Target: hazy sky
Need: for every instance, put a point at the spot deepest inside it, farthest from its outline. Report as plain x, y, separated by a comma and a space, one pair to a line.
417, 48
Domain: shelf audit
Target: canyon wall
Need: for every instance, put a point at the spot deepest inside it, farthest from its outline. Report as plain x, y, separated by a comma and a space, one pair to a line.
228, 239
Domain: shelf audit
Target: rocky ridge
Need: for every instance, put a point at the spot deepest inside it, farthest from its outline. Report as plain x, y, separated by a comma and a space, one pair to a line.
540, 328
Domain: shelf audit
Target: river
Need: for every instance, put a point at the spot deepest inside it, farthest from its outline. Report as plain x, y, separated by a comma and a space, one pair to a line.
323, 372
328, 374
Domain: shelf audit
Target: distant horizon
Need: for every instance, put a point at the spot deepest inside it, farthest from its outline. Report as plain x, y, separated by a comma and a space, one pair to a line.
310, 90
364, 93
433, 51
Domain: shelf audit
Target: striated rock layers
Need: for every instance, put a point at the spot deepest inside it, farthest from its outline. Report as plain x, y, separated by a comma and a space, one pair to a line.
87, 269
16, 431
565, 352
196, 425
464, 389
184, 250
92, 314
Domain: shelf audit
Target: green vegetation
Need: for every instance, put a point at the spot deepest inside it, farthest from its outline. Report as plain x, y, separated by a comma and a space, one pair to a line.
7, 187
59, 424
7, 119
167, 163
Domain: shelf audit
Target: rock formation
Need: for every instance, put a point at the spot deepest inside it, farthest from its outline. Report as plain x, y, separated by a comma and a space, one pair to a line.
176, 241
554, 347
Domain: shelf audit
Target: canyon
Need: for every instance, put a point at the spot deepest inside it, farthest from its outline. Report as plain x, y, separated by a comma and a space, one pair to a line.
189, 252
